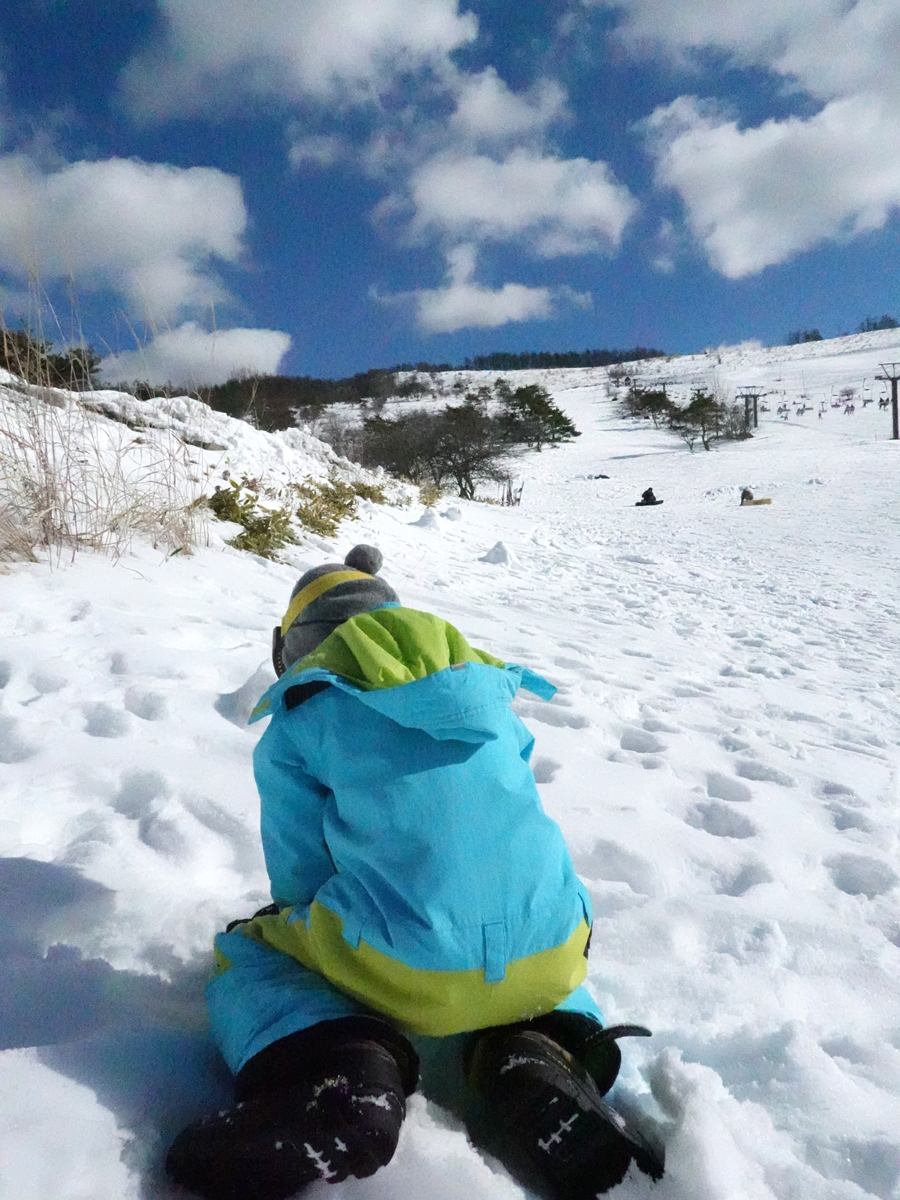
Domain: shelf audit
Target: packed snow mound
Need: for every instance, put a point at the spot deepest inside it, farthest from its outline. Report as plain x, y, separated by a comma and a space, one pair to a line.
429, 520
499, 555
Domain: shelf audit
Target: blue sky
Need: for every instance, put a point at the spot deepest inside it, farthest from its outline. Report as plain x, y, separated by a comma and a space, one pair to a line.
322, 186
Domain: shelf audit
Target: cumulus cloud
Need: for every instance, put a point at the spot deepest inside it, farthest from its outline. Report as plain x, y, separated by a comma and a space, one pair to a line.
755, 197
191, 356
563, 206
464, 304
486, 109
147, 231
830, 48
344, 50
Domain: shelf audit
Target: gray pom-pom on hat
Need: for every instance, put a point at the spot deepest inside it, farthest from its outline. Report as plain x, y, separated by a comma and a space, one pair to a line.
336, 602
365, 558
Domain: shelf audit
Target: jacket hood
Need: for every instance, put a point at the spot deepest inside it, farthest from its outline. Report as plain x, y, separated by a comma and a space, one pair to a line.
415, 669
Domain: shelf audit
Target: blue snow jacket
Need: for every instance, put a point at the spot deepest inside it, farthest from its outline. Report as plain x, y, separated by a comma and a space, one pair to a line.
403, 833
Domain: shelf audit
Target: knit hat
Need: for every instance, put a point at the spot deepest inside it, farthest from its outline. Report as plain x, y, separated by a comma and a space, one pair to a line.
326, 597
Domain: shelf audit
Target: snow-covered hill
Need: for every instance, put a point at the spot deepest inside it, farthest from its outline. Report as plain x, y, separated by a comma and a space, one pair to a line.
723, 756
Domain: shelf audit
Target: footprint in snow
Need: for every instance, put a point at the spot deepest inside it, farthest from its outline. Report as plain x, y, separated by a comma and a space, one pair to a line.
47, 682
750, 875
139, 791
104, 721
840, 789
723, 787
544, 769
846, 818
651, 762
720, 821
762, 773
612, 863
5, 674
118, 663
640, 741
164, 836
655, 725
570, 664
796, 715
859, 875
149, 706
13, 747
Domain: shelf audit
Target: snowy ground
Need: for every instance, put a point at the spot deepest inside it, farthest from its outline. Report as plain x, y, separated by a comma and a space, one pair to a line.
722, 755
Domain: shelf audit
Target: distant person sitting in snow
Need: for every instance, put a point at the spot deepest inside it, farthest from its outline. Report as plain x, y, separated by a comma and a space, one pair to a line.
647, 498
746, 496
419, 890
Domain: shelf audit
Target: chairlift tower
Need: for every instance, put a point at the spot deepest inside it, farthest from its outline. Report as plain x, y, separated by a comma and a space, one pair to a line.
890, 374
750, 396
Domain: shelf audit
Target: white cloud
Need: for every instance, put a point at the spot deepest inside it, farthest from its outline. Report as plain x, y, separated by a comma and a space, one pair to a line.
830, 48
146, 231
853, 49
486, 109
563, 206
755, 197
190, 356
216, 51
667, 246
752, 32
320, 150
464, 304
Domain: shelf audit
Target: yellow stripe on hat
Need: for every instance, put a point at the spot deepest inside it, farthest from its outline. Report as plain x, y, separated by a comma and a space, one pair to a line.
313, 591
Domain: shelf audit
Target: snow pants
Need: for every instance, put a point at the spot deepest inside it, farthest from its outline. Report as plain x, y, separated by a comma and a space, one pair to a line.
259, 996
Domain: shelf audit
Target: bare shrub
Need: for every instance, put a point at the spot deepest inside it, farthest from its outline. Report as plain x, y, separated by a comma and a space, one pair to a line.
430, 494
275, 516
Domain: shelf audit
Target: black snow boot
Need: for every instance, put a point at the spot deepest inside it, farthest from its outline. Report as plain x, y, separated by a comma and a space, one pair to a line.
594, 1045
323, 1105
538, 1109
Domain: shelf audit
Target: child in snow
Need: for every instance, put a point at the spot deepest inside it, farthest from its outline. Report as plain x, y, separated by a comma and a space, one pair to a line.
419, 889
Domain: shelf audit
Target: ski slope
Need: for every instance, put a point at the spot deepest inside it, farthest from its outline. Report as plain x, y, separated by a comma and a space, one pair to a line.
722, 755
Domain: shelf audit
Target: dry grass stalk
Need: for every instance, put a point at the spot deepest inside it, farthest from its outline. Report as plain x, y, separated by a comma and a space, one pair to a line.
72, 480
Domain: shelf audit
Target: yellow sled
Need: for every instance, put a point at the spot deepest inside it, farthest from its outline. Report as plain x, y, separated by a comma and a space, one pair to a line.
747, 503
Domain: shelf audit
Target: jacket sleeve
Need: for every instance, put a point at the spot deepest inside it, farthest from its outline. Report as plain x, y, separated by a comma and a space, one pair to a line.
292, 806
